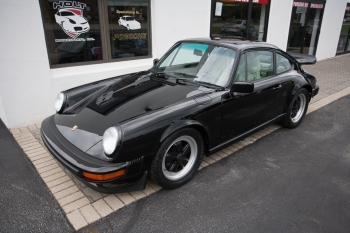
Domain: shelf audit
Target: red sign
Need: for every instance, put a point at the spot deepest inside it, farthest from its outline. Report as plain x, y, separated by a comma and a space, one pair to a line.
306, 5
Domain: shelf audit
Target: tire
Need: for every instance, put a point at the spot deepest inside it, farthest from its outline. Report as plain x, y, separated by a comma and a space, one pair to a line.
127, 26
297, 109
178, 158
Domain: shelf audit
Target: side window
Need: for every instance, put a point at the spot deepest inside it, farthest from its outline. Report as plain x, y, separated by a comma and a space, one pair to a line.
259, 65
240, 74
282, 64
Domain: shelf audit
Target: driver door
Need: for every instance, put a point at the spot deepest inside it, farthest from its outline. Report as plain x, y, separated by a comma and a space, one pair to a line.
244, 112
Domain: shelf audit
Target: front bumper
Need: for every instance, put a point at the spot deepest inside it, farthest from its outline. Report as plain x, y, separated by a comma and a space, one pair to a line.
314, 91
78, 162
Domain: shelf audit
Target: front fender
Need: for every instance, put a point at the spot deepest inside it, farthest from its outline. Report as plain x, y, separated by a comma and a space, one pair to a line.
182, 124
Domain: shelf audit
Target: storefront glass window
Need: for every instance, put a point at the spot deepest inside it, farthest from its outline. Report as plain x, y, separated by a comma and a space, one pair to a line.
305, 26
128, 28
229, 19
344, 37
72, 31
259, 11
88, 32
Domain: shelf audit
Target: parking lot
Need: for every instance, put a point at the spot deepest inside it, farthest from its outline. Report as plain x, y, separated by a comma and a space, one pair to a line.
275, 180
288, 181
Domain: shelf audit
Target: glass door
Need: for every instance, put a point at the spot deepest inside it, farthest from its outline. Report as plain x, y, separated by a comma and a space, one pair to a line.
344, 37
239, 19
305, 26
229, 18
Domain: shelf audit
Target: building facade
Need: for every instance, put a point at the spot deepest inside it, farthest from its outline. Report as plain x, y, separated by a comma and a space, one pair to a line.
53, 45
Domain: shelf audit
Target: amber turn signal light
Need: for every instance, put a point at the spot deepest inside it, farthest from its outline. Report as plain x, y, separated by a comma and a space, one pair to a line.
104, 177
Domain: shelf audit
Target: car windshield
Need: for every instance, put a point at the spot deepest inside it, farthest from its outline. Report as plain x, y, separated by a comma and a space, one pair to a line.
200, 63
129, 18
66, 13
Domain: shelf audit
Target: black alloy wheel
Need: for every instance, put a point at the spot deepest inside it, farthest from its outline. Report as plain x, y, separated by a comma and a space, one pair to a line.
297, 109
178, 158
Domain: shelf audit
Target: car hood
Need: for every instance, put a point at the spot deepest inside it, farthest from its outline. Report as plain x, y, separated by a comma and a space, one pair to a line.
120, 101
133, 23
77, 19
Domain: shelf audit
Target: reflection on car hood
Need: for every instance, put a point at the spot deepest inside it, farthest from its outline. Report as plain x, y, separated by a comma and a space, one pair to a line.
126, 99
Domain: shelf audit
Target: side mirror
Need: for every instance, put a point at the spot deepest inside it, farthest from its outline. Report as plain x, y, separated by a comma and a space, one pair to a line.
242, 87
155, 61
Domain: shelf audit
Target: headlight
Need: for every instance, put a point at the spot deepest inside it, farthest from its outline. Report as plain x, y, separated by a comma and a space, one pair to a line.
60, 101
72, 21
110, 140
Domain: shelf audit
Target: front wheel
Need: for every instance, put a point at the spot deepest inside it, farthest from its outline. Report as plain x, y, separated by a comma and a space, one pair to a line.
178, 158
297, 109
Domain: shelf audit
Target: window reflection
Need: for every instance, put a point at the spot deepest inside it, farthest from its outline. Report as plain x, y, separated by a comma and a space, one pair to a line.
344, 38
72, 31
229, 19
305, 27
128, 28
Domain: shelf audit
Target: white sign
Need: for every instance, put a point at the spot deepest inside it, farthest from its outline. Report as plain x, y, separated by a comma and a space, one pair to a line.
218, 9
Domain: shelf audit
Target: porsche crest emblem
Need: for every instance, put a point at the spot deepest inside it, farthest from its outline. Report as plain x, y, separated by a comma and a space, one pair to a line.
74, 127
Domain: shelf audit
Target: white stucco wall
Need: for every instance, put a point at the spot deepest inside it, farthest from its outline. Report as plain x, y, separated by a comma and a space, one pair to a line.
279, 22
25, 73
27, 84
176, 20
330, 30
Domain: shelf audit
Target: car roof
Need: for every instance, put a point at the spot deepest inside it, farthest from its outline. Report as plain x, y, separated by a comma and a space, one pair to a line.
233, 43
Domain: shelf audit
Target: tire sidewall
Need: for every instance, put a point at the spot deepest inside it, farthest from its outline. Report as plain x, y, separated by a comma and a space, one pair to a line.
156, 167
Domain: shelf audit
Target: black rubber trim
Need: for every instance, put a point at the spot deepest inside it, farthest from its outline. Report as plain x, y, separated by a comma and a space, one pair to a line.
315, 91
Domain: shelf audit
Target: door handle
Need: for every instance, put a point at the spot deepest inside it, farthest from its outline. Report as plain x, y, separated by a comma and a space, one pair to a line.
276, 88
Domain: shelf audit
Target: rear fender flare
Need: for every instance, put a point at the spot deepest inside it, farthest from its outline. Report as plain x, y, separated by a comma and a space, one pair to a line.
297, 87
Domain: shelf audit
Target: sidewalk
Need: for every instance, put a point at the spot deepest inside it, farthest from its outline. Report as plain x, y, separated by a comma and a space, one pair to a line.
82, 205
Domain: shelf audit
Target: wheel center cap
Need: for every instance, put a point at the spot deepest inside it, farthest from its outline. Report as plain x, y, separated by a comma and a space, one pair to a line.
180, 158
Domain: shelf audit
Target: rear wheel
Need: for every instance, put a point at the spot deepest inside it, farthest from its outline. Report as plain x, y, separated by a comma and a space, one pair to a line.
178, 158
297, 109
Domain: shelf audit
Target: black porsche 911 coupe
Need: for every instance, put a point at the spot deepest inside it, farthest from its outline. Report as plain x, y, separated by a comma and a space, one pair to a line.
201, 96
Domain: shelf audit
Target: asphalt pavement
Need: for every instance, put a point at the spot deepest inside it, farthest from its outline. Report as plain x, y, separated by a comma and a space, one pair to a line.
25, 202
288, 181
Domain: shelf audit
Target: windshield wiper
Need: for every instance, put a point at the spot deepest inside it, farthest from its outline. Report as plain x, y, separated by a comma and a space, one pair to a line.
183, 74
207, 84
